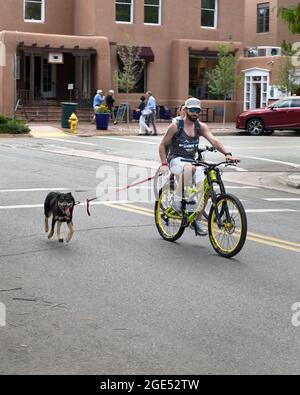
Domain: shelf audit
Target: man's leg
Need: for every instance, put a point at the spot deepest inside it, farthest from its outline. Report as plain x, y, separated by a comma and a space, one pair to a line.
184, 172
198, 226
153, 121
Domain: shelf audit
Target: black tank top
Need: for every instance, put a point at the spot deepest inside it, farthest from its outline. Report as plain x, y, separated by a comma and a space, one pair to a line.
182, 145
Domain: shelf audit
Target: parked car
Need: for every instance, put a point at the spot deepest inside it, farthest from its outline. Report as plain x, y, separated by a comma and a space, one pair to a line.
282, 115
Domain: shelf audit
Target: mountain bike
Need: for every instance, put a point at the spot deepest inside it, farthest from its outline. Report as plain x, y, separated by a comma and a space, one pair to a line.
225, 214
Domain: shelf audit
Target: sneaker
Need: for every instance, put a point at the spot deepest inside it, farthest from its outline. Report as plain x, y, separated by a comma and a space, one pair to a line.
199, 228
176, 205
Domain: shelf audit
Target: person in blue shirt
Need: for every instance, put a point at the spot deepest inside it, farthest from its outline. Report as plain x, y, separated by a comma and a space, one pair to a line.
98, 100
151, 105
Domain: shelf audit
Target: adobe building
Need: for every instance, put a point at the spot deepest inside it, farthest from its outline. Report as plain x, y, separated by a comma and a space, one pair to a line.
53, 50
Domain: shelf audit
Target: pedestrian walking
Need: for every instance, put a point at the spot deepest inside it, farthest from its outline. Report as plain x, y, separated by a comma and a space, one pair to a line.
143, 117
151, 105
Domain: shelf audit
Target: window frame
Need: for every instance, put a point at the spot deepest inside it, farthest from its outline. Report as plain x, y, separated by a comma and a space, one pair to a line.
132, 7
216, 15
43, 11
265, 5
159, 13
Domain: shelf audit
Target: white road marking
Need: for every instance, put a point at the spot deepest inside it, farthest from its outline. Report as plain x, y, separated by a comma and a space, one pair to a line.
21, 206
128, 140
232, 187
31, 206
296, 165
236, 168
71, 141
279, 210
33, 190
282, 199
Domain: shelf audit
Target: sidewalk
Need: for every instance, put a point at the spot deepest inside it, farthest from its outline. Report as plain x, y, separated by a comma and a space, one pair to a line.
121, 129
291, 180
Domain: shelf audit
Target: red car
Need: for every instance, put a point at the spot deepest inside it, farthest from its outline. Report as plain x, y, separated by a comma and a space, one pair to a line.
282, 115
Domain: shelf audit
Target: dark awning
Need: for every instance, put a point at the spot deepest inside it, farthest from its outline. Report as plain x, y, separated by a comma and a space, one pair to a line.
145, 53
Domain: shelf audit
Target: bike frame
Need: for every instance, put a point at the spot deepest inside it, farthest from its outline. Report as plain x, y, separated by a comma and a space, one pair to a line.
213, 176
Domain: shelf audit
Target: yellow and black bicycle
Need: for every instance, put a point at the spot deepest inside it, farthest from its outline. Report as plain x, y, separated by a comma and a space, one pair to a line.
225, 214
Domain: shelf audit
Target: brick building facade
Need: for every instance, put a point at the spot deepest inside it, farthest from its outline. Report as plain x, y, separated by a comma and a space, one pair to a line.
46, 46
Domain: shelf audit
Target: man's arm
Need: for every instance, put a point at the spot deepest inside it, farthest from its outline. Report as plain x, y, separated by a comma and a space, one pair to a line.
215, 142
166, 141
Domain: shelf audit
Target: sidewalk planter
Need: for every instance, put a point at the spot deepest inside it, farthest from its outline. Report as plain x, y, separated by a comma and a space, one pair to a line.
102, 121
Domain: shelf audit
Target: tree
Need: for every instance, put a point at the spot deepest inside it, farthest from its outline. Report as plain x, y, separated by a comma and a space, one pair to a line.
291, 16
287, 76
131, 70
222, 80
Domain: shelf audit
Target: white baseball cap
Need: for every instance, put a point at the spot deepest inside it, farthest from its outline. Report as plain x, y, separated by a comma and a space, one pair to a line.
111, 91
193, 103
99, 91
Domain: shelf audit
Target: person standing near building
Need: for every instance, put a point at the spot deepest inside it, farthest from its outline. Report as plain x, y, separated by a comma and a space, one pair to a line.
110, 103
151, 105
98, 100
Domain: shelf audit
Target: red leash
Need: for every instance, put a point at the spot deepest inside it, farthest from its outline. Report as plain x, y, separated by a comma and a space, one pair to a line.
88, 201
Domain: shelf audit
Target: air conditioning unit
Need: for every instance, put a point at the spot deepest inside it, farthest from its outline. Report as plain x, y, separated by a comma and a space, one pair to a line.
251, 52
269, 51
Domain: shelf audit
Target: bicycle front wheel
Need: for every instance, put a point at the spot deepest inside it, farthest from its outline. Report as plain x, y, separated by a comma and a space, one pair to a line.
168, 223
227, 226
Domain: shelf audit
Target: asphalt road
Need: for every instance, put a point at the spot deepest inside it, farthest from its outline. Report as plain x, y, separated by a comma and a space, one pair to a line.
119, 299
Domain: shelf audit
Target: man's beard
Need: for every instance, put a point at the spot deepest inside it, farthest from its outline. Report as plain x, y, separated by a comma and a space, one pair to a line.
192, 118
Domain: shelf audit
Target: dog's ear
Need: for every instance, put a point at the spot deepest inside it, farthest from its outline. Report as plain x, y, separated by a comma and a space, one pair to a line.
72, 197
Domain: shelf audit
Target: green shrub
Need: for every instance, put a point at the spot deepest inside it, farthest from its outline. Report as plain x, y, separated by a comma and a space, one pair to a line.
3, 119
12, 126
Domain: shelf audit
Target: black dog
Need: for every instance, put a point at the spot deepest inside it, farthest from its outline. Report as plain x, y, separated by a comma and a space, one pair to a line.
60, 206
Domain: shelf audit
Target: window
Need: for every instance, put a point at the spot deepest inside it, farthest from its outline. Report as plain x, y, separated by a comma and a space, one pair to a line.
124, 11
209, 13
198, 78
295, 103
283, 104
141, 81
34, 10
152, 12
263, 18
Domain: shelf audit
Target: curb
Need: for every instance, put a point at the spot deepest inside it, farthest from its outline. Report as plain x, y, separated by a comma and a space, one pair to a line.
9, 136
124, 134
290, 180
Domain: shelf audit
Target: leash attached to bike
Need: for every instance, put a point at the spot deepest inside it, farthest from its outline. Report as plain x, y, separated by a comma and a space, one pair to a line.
158, 174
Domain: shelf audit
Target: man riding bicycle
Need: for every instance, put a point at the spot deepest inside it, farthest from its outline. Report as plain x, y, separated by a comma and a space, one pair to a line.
180, 143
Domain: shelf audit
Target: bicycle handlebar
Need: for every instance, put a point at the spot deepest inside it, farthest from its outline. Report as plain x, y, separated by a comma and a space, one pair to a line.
206, 164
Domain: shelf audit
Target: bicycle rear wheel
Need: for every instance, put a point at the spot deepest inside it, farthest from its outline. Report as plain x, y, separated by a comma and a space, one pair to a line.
169, 223
227, 226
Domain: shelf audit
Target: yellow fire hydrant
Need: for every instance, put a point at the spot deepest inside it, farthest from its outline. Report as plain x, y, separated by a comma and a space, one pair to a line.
73, 122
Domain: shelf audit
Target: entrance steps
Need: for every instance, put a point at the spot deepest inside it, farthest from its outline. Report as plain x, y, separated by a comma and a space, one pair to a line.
50, 113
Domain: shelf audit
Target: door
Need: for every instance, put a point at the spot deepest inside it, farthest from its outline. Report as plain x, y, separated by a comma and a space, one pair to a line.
48, 79
294, 114
256, 89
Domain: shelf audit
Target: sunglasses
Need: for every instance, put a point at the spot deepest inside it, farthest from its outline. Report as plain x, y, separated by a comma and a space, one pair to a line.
194, 110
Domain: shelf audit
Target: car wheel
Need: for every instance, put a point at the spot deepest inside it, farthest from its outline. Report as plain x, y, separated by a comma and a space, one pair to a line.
255, 127
268, 132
